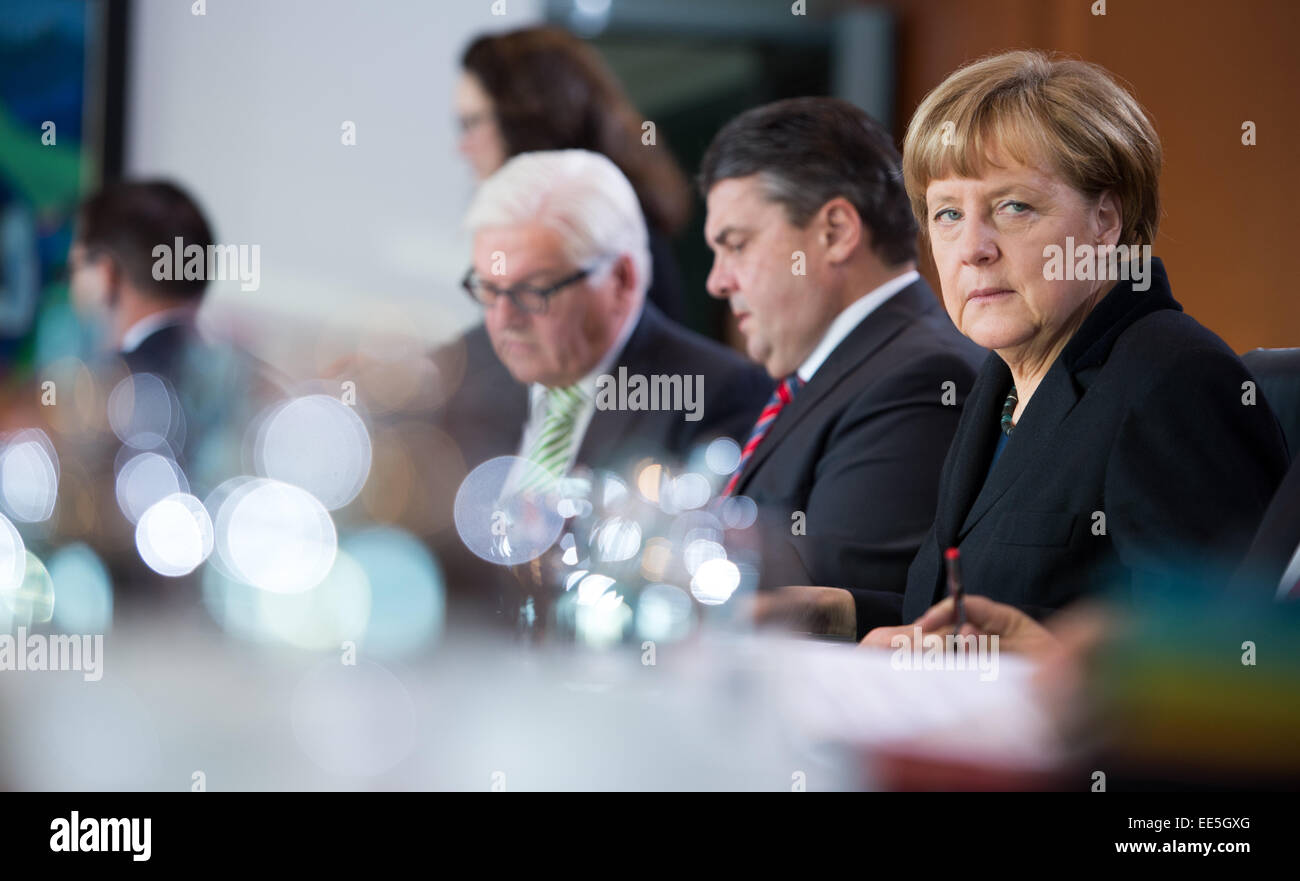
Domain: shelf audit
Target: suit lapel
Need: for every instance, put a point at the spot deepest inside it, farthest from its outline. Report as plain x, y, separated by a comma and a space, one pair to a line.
972, 449
487, 412
499, 429
604, 436
608, 428
1033, 440
873, 332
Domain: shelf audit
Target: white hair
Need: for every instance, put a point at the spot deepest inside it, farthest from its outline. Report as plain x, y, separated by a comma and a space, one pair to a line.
581, 195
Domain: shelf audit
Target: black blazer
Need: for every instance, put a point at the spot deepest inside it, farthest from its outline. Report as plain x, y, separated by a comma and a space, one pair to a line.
666, 291
163, 351
1275, 541
1142, 420
486, 415
1278, 373
858, 451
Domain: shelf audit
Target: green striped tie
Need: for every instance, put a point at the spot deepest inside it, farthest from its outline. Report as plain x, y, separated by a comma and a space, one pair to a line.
549, 454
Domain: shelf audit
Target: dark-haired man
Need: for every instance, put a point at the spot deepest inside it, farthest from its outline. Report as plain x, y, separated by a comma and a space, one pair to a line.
815, 249
148, 320
180, 397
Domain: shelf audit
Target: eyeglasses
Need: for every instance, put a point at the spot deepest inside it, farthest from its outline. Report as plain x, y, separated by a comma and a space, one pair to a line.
525, 297
472, 121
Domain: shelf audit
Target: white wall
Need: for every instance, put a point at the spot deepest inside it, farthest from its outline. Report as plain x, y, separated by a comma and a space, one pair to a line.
244, 106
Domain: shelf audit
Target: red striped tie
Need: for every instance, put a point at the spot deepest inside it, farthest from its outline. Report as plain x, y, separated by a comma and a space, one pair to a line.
782, 395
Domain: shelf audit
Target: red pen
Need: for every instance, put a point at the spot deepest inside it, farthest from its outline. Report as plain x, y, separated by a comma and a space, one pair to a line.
952, 559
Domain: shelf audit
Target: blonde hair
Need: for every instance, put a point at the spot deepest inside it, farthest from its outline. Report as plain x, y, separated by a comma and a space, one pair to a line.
1059, 114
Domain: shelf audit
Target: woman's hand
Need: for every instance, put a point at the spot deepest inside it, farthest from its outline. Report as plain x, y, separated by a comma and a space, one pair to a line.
1016, 631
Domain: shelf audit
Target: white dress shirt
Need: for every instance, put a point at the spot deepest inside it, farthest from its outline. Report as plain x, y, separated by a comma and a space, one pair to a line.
850, 318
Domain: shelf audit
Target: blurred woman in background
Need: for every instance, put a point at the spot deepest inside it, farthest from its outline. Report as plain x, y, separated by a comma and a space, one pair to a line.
544, 89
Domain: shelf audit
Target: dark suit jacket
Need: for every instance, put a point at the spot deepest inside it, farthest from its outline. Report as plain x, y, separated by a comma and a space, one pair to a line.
163, 351
666, 291
858, 451
1278, 373
217, 385
1275, 541
1142, 420
219, 390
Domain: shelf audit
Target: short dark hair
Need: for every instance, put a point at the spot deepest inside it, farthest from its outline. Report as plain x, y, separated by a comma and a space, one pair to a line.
810, 150
126, 220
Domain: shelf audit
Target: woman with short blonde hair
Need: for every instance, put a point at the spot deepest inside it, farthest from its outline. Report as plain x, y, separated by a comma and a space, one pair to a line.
1069, 113
1107, 443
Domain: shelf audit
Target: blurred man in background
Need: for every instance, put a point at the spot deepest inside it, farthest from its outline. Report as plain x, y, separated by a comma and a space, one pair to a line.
170, 408
149, 320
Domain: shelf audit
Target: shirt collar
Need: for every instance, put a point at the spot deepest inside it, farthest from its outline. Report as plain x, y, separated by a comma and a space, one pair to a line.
154, 322
850, 318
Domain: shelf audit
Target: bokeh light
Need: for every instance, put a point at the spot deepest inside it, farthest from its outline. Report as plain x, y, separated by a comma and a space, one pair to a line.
13, 557
84, 589
504, 527
272, 535
693, 526
603, 622
318, 443
407, 591
592, 587
690, 491
650, 480
32, 600
616, 539
656, 558
79, 404
613, 491
144, 412
715, 581
738, 512
146, 479
700, 551
175, 535
722, 456
324, 616
29, 476
663, 613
